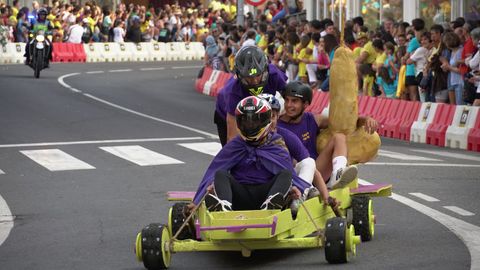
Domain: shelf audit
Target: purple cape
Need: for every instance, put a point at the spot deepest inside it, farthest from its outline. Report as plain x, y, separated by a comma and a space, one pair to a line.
271, 155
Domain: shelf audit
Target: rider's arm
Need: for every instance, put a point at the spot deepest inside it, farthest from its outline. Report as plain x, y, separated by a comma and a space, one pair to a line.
369, 123
322, 121
231, 127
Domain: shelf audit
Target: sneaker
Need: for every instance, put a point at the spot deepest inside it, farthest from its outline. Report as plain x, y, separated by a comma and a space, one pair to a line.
311, 192
275, 201
213, 203
343, 177
294, 206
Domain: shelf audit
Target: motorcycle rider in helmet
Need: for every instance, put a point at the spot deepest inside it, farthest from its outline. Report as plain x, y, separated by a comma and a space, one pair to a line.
332, 161
253, 76
41, 24
254, 170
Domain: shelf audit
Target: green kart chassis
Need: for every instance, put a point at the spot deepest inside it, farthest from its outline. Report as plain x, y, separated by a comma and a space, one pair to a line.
315, 225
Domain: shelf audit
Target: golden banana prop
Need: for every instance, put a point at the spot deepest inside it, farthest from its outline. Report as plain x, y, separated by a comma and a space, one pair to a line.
343, 111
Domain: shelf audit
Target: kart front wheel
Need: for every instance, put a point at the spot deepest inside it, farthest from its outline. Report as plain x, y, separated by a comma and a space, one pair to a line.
153, 247
176, 218
340, 240
363, 217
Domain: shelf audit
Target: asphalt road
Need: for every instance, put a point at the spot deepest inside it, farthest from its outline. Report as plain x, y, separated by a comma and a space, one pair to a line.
86, 215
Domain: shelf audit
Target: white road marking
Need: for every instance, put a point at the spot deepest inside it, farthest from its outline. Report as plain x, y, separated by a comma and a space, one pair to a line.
402, 156
459, 211
6, 220
156, 68
60, 81
95, 72
2, 172
119, 70
187, 67
140, 155
421, 164
209, 148
101, 142
213, 136
424, 197
448, 154
468, 233
56, 160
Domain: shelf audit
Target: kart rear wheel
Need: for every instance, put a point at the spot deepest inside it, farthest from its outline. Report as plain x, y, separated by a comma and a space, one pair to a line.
340, 240
176, 218
363, 217
153, 248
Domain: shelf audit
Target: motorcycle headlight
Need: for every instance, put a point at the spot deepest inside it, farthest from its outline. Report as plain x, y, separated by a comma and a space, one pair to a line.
40, 38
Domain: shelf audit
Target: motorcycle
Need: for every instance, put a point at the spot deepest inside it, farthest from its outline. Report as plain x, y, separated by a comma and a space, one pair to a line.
39, 52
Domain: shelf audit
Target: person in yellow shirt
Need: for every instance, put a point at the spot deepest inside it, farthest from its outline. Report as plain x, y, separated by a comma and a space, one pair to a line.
263, 40
361, 40
303, 58
368, 78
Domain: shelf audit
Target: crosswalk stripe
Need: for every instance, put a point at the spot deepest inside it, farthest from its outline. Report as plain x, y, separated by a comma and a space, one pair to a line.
56, 160
402, 156
140, 155
424, 197
459, 211
209, 148
447, 154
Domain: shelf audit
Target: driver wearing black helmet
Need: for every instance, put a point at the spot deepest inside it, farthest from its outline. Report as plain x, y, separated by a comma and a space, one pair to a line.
40, 25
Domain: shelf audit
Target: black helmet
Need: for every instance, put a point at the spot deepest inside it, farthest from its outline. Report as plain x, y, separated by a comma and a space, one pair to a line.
300, 90
275, 103
251, 62
253, 117
42, 11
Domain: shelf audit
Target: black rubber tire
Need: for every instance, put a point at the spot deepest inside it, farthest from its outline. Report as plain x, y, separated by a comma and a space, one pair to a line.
178, 218
38, 65
335, 239
360, 217
151, 246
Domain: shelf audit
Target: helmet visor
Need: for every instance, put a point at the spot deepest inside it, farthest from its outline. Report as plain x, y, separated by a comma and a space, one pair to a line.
252, 124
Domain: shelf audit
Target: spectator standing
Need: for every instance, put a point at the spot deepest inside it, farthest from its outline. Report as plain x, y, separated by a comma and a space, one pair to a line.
410, 79
455, 80
419, 58
75, 32
133, 32
119, 31
439, 78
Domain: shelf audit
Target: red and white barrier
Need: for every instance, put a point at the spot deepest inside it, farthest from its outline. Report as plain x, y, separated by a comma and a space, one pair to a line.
463, 120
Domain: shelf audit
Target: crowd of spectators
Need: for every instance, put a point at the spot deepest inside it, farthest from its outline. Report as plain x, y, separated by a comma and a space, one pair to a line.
396, 60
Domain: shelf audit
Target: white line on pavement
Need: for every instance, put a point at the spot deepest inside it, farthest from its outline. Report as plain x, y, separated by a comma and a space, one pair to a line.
424, 197
101, 142
6, 220
56, 160
156, 68
402, 156
468, 233
209, 148
152, 117
448, 154
459, 211
60, 81
95, 72
2, 172
140, 155
420, 164
187, 67
119, 70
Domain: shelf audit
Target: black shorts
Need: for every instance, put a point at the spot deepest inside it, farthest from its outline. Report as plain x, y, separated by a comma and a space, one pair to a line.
411, 81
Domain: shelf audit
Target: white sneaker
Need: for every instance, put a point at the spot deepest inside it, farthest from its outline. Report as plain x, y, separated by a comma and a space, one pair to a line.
343, 177
275, 201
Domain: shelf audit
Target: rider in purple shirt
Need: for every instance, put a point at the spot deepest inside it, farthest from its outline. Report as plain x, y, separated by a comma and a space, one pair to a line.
254, 170
332, 161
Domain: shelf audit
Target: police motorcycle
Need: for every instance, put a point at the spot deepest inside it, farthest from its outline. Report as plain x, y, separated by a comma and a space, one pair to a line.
39, 48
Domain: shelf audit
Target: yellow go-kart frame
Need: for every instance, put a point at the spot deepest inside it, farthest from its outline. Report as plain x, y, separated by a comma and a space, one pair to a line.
315, 225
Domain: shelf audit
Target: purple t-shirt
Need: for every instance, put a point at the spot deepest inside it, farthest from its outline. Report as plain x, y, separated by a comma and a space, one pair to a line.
294, 145
306, 130
220, 104
276, 82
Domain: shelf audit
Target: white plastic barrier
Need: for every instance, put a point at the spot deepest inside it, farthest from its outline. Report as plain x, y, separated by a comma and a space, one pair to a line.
108, 50
418, 131
139, 52
93, 53
463, 120
12, 53
157, 51
188, 50
123, 53
199, 49
212, 80
174, 52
